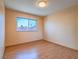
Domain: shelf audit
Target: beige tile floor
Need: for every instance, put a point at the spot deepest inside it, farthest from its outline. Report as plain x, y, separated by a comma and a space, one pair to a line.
39, 50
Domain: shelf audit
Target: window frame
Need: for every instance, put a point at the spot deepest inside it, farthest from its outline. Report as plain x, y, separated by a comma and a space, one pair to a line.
28, 24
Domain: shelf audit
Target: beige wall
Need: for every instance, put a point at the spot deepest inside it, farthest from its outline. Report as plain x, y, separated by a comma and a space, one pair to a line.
2, 31
61, 27
13, 37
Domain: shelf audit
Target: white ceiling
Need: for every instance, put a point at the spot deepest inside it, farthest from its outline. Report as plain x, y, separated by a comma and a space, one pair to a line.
29, 6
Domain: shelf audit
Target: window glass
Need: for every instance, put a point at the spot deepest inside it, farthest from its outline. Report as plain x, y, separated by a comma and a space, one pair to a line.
26, 24
32, 25
22, 24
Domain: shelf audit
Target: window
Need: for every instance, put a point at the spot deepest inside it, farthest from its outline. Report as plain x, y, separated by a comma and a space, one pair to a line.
26, 24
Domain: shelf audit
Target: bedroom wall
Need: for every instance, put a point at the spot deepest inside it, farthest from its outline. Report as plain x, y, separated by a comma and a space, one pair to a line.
61, 27
13, 37
2, 28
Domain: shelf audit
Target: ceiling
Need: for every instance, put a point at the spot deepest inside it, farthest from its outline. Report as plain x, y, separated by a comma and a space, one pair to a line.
29, 6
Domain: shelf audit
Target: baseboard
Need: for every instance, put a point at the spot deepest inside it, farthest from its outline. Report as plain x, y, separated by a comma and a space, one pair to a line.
22, 43
62, 45
42, 40
3, 53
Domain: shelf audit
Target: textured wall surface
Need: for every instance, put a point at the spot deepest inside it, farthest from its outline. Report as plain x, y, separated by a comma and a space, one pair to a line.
61, 27
13, 37
2, 29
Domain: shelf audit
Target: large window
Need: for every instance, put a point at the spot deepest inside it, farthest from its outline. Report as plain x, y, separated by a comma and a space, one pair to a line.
26, 24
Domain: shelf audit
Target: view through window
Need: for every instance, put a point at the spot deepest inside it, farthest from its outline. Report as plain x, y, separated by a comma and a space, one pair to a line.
26, 24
